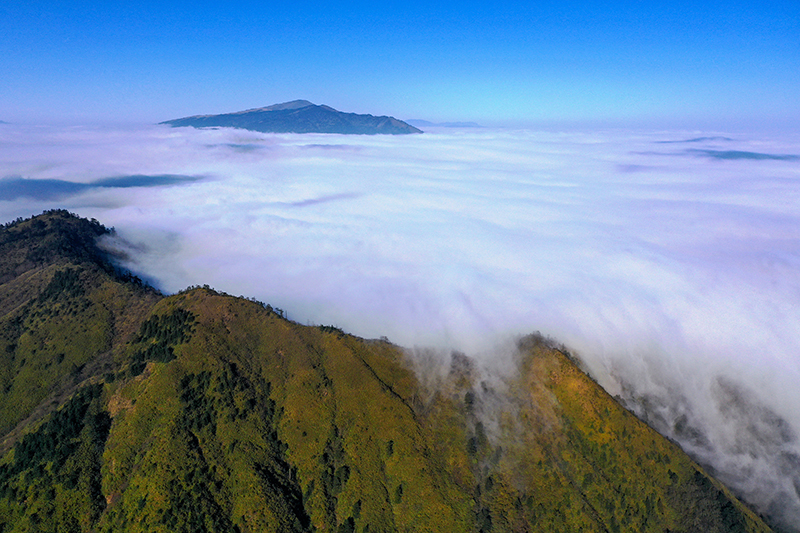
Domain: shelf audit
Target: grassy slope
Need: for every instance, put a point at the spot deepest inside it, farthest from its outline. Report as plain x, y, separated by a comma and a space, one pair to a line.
203, 412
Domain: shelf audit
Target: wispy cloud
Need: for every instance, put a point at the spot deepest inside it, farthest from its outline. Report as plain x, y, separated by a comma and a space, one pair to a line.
695, 140
739, 154
325, 199
15, 187
675, 278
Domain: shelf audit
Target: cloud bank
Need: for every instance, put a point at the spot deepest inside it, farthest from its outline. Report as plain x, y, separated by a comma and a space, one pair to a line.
669, 261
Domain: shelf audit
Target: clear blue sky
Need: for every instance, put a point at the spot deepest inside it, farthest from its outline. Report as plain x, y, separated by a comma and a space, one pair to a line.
667, 62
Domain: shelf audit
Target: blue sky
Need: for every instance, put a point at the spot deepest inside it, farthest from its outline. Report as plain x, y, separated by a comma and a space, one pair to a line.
716, 65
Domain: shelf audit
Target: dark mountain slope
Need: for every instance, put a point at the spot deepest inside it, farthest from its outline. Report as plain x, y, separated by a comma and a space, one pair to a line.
53, 237
204, 412
63, 311
299, 116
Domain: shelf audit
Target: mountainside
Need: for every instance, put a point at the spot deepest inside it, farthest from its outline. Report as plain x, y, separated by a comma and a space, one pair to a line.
299, 116
124, 410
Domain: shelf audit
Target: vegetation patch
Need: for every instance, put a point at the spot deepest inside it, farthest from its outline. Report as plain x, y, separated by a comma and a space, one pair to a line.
160, 334
54, 479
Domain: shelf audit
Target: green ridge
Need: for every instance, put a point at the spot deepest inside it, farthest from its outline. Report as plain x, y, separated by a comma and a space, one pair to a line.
123, 410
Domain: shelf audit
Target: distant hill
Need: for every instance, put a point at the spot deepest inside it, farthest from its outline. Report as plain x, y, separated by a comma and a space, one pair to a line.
125, 410
299, 116
419, 123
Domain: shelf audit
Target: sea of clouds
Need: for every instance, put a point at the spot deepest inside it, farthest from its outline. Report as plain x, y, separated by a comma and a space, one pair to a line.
668, 261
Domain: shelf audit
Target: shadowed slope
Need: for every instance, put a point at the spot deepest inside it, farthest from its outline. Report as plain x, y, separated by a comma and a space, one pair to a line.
64, 311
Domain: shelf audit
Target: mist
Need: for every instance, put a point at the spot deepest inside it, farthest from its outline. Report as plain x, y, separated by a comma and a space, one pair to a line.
669, 262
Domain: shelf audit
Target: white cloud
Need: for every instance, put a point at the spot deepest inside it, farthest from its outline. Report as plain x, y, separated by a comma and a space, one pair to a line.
668, 268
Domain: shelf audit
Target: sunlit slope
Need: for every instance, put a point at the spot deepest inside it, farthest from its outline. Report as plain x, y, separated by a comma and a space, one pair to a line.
214, 413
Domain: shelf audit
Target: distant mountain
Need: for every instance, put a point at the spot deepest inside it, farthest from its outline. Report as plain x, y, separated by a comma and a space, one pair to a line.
124, 410
419, 123
299, 116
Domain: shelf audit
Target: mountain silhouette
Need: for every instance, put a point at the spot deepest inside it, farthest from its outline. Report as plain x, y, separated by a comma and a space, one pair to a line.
298, 116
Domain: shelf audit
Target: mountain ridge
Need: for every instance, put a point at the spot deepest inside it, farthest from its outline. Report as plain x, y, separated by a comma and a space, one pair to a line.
298, 116
122, 409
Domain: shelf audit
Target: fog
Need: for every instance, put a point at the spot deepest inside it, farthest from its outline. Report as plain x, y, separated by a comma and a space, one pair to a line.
668, 261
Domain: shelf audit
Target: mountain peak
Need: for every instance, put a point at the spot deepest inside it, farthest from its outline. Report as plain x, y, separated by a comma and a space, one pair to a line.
294, 104
299, 116
54, 235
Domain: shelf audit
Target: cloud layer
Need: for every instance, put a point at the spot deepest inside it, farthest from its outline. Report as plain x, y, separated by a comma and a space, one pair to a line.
669, 261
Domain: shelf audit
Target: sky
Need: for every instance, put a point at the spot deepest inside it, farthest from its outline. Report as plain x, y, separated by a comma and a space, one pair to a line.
670, 64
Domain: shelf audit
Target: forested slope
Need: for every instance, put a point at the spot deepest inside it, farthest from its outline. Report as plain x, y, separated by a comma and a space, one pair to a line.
123, 410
